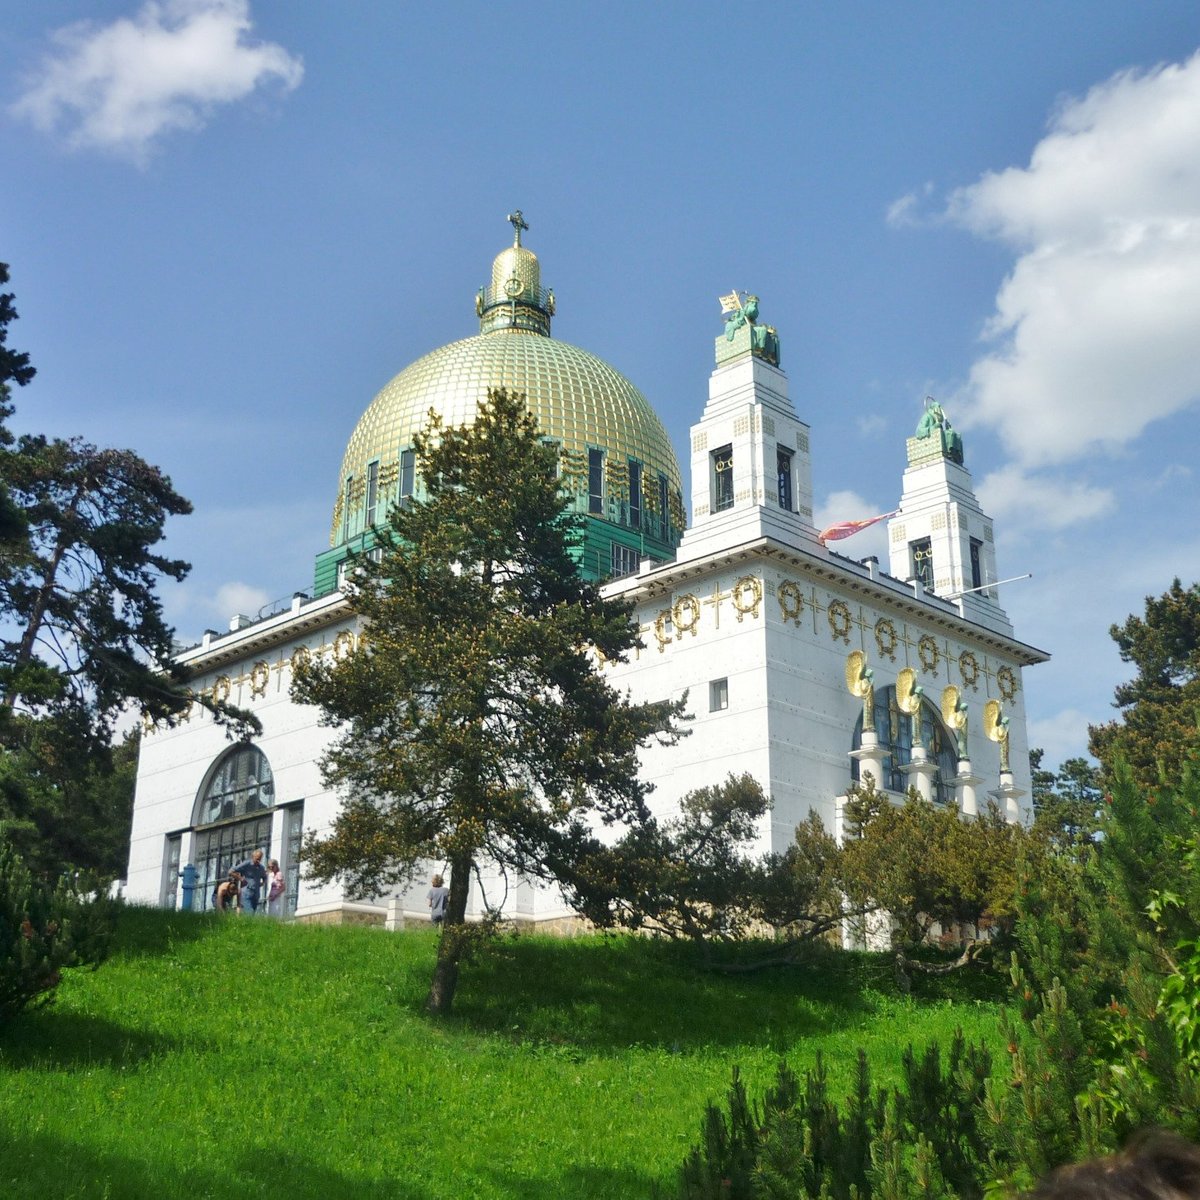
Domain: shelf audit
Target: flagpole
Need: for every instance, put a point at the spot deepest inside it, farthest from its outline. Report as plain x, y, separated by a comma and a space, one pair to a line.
984, 587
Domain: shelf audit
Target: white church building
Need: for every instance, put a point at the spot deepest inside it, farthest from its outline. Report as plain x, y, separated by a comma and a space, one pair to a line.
782, 645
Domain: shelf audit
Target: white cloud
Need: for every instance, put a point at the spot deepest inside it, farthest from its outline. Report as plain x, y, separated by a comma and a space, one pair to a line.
236, 598
1019, 500
120, 87
906, 211
1062, 736
1094, 332
871, 426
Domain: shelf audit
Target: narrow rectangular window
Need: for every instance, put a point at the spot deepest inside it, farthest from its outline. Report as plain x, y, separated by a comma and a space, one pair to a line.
596, 482
722, 465
635, 494
346, 497
293, 836
664, 508
783, 466
718, 695
170, 883
372, 493
625, 561
976, 564
408, 476
922, 562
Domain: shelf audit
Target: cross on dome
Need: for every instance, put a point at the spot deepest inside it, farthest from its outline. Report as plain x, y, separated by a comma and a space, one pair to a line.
518, 223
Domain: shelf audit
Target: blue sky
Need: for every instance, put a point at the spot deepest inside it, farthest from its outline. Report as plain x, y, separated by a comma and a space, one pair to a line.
229, 223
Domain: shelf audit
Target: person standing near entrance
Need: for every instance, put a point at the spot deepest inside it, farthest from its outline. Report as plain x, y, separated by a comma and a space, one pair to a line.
254, 876
276, 889
439, 893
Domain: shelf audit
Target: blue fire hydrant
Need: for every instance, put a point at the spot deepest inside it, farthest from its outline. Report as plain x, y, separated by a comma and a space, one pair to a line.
188, 876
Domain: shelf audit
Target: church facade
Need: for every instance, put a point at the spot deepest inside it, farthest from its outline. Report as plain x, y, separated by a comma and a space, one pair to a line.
802, 666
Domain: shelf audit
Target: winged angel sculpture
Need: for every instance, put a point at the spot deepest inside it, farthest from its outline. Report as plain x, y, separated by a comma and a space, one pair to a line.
860, 682
954, 713
995, 725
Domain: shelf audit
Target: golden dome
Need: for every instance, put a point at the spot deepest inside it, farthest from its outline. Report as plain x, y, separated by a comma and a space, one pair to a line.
616, 460
578, 400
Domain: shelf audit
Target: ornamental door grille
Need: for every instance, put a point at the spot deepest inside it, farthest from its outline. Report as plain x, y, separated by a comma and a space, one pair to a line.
221, 849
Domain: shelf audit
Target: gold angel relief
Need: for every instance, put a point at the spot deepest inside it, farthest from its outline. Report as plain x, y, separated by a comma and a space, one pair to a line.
909, 694
955, 714
860, 683
995, 726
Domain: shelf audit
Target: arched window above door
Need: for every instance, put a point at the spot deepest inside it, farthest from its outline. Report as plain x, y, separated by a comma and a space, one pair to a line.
240, 784
894, 732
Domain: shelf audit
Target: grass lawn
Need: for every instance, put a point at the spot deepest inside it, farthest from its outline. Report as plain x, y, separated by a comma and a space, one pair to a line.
229, 1057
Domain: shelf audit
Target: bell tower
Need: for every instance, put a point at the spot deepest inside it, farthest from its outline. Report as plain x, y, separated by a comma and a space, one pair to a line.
751, 469
940, 536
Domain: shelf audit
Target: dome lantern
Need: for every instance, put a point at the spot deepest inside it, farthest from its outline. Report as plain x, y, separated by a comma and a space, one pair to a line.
514, 300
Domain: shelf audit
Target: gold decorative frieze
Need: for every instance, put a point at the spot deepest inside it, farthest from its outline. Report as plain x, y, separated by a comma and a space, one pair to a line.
899, 533
747, 596
968, 668
928, 653
260, 676
802, 442
1006, 681
699, 442
685, 615
791, 601
840, 620
885, 638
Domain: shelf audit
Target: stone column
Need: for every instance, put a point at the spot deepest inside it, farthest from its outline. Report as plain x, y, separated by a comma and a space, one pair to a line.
920, 772
964, 789
870, 760
1007, 796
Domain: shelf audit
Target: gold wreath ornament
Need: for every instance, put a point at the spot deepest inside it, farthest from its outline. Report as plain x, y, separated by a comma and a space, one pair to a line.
791, 601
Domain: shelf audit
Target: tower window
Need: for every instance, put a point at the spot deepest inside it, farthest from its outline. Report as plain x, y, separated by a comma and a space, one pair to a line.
783, 461
596, 482
921, 566
408, 476
635, 494
976, 564
372, 493
722, 465
718, 695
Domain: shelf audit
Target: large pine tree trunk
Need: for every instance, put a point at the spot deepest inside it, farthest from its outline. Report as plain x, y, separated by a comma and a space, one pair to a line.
450, 947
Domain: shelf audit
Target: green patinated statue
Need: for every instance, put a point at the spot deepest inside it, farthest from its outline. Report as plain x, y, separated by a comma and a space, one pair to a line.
764, 340
934, 423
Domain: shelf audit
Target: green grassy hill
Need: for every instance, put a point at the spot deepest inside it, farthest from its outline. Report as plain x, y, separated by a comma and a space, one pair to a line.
229, 1057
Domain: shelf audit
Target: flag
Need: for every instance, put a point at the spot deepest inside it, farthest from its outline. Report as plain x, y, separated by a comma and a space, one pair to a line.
845, 529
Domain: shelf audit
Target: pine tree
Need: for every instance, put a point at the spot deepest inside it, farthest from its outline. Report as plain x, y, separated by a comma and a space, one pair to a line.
477, 724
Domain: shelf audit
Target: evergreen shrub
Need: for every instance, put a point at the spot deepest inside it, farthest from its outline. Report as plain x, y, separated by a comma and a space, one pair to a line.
45, 929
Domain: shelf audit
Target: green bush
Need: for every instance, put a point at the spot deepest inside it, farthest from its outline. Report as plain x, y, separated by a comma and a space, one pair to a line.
44, 930
919, 1139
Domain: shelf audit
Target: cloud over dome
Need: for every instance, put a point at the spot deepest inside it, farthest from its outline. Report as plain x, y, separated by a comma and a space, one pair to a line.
1095, 329
120, 87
